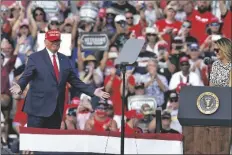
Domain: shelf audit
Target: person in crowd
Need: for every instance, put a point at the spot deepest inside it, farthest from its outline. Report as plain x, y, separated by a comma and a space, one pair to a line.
123, 5
199, 19
153, 40
122, 32
173, 107
89, 72
6, 24
166, 123
185, 75
108, 59
168, 27
180, 14
136, 28
226, 15
40, 18
112, 84
60, 71
221, 69
9, 55
148, 116
139, 89
196, 63
25, 28
109, 27
184, 33
70, 122
131, 124
84, 111
100, 121
20, 118
155, 84
70, 26
152, 12
142, 61
213, 34
178, 50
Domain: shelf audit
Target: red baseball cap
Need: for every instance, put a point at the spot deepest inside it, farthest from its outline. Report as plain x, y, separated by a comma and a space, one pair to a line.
134, 114
184, 59
53, 35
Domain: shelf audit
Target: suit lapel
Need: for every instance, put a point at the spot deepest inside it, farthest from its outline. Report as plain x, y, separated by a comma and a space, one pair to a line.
48, 61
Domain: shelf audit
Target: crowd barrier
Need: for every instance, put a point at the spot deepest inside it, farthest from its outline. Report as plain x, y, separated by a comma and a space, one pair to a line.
82, 142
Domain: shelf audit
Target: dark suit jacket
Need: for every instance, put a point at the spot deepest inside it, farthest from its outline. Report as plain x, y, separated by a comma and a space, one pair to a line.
45, 93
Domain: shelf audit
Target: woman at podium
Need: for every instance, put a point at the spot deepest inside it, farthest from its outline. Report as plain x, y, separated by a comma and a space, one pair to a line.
221, 74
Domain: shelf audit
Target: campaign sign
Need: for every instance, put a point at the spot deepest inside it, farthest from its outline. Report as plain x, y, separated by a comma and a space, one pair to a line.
94, 41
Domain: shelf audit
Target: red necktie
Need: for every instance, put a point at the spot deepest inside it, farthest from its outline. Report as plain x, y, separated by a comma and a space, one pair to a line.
55, 66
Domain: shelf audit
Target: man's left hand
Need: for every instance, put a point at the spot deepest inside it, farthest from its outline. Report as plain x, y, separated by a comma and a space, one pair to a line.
99, 93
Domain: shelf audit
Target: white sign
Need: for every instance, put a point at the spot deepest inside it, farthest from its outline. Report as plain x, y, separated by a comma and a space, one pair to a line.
136, 102
65, 46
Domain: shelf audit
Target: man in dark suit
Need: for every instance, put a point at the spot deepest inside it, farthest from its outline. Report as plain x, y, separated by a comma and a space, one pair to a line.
48, 71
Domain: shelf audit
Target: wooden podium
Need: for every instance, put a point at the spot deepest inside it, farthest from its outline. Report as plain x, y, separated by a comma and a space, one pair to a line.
206, 116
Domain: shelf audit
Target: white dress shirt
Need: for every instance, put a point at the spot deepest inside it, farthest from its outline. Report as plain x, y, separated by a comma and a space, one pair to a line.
51, 57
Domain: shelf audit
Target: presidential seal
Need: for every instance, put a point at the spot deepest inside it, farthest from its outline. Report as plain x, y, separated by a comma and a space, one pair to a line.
207, 103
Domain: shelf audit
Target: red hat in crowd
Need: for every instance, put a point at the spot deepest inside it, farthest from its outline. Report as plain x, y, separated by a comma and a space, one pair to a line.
184, 59
133, 114
53, 35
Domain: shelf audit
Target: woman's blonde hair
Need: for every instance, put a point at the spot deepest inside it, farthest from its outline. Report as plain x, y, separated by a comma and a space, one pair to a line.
224, 44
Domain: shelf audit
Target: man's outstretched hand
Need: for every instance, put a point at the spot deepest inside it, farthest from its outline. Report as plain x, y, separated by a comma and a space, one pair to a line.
15, 89
99, 93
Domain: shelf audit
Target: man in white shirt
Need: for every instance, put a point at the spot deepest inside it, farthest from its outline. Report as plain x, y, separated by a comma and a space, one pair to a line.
185, 75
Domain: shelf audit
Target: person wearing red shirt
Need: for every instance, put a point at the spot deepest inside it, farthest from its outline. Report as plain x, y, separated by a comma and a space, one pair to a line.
200, 18
113, 85
137, 28
169, 26
226, 16
100, 121
132, 119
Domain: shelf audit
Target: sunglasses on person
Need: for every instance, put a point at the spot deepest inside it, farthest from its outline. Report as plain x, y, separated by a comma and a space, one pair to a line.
151, 34
39, 14
217, 50
101, 108
164, 117
55, 23
129, 18
184, 64
214, 24
173, 100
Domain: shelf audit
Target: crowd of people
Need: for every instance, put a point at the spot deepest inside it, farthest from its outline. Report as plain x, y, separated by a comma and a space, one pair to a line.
178, 51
